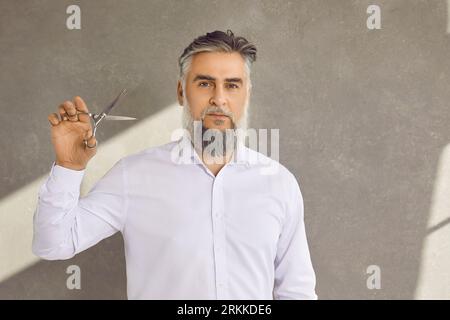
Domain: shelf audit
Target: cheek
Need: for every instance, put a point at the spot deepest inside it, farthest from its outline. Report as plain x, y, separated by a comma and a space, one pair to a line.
196, 105
237, 106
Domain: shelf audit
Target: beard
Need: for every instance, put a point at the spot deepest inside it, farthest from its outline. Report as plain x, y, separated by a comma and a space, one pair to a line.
214, 143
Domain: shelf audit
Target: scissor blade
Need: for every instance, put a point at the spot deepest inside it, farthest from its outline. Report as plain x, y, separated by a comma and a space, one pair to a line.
108, 117
112, 104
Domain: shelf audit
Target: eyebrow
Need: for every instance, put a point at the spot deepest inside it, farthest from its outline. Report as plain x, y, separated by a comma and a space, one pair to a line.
206, 77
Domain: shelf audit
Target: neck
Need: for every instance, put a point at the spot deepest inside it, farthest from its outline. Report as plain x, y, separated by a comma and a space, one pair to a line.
215, 154
214, 162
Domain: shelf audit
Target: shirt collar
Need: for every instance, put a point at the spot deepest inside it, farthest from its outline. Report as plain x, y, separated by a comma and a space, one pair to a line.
184, 153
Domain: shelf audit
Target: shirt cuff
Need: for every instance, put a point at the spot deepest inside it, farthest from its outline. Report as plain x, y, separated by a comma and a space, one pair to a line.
64, 178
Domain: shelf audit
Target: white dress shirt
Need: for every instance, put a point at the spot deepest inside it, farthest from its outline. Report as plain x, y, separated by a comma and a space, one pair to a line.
188, 234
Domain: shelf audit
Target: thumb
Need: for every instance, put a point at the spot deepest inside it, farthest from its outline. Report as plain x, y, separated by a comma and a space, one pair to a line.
90, 144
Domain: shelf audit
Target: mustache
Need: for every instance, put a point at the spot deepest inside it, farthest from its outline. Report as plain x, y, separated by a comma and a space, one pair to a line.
217, 110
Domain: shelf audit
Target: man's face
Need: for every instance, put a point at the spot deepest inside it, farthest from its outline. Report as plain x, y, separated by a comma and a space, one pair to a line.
216, 89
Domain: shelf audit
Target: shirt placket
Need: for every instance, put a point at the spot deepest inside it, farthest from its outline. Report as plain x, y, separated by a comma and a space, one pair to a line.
219, 239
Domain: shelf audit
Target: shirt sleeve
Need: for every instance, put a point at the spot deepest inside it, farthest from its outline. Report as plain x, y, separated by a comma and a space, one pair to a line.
65, 224
294, 273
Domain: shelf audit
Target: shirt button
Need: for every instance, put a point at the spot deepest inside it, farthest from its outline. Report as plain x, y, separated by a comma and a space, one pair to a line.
222, 286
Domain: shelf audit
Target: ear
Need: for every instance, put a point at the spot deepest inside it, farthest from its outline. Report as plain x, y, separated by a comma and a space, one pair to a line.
180, 93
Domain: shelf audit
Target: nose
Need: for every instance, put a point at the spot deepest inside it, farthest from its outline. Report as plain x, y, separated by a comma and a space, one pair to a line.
218, 99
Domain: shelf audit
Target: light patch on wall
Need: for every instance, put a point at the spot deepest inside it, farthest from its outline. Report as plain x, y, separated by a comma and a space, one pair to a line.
434, 278
16, 210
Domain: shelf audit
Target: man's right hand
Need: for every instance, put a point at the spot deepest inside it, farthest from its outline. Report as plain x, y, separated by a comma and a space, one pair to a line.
72, 137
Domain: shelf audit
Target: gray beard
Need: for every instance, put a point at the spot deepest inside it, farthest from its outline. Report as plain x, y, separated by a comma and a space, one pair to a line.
213, 143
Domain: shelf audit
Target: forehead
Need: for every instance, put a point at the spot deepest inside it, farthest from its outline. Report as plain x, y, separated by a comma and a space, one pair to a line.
218, 64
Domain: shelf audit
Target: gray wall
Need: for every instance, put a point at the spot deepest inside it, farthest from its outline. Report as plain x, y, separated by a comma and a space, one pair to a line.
363, 118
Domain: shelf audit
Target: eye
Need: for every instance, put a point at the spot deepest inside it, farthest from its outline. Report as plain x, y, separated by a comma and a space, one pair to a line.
232, 86
203, 84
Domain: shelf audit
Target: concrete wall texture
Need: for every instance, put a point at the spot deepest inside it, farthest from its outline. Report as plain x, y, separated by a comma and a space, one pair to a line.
363, 117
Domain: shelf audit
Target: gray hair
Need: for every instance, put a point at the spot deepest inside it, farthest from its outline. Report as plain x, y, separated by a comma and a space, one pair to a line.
217, 41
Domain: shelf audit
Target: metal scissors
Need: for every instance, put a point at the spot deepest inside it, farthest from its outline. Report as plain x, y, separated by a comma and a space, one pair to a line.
104, 115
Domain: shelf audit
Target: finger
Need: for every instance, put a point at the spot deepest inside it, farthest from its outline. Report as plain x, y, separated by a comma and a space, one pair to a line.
53, 119
62, 113
88, 134
82, 117
67, 111
91, 143
80, 105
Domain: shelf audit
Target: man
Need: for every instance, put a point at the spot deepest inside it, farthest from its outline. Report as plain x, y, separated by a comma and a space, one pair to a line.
196, 224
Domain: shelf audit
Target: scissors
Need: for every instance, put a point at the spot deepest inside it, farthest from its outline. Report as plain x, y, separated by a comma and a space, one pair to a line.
104, 115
